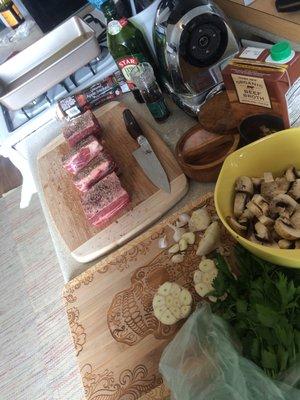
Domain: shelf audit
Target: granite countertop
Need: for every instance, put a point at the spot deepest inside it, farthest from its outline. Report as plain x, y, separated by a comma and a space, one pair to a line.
170, 131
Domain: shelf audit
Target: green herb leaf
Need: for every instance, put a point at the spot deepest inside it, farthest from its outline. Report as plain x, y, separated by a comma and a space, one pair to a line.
282, 356
241, 306
268, 360
266, 315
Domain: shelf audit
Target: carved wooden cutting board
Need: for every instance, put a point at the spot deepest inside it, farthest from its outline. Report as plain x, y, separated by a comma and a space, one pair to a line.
148, 203
117, 339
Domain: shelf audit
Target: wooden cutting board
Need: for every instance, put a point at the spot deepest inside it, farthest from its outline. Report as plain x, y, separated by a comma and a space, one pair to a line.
117, 339
148, 203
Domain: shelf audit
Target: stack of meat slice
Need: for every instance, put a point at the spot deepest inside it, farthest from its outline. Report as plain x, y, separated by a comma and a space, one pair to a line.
103, 197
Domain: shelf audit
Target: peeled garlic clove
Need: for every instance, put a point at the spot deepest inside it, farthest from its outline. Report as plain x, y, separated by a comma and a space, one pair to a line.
177, 258
207, 265
197, 277
200, 220
183, 245
162, 243
178, 232
174, 249
189, 237
203, 288
210, 240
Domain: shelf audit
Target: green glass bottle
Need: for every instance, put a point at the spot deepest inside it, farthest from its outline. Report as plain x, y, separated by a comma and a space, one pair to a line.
128, 47
109, 10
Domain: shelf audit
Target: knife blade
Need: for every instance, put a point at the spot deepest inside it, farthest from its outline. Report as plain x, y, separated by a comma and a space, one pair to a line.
145, 155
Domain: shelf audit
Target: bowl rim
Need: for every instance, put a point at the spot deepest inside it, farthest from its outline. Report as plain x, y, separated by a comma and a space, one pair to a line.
266, 249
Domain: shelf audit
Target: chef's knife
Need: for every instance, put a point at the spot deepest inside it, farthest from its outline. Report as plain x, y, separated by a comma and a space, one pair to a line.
144, 155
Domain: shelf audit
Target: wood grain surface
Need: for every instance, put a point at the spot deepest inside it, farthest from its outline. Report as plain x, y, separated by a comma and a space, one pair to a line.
148, 203
117, 339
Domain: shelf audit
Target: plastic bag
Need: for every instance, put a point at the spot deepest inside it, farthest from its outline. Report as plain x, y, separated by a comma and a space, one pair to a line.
204, 362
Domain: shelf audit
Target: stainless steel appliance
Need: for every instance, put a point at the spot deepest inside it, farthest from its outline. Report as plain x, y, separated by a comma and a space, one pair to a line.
193, 41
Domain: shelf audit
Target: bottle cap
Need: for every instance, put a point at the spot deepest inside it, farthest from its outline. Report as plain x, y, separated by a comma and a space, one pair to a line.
281, 51
114, 27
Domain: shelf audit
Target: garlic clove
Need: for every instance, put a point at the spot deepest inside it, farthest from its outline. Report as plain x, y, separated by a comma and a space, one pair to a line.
162, 243
183, 244
183, 219
177, 258
178, 232
174, 249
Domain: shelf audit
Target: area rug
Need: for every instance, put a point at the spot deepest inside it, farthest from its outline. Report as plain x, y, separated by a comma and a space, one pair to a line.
37, 359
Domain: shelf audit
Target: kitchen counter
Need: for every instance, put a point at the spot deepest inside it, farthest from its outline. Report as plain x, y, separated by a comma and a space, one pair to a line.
170, 131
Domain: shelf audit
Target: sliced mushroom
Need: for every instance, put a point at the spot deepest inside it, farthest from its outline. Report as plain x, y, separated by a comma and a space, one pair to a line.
268, 177
261, 232
285, 244
283, 204
295, 219
283, 184
261, 202
240, 201
290, 174
271, 189
254, 209
286, 230
238, 227
247, 214
294, 192
267, 221
274, 235
244, 184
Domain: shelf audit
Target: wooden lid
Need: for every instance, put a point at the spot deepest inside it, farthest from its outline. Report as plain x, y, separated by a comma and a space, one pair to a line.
216, 115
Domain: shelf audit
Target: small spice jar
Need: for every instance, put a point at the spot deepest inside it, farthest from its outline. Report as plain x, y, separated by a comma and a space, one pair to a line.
143, 77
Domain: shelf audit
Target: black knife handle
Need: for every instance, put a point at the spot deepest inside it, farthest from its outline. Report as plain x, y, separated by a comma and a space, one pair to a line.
131, 124
287, 5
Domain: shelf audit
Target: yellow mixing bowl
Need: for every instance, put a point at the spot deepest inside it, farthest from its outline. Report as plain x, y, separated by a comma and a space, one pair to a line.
274, 154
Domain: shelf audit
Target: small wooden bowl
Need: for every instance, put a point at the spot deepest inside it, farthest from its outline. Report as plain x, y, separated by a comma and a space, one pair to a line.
201, 153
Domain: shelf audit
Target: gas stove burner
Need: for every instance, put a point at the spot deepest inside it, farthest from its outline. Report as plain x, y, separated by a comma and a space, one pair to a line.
34, 102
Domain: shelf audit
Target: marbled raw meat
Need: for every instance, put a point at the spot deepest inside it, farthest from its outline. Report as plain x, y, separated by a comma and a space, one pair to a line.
81, 154
105, 201
97, 169
81, 127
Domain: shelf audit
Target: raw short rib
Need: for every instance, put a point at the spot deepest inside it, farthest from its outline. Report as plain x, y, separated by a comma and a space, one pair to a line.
81, 154
105, 200
80, 127
97, 169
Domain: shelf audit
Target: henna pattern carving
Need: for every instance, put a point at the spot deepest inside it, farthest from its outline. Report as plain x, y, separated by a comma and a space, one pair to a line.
77, 330
130, 385
130, 316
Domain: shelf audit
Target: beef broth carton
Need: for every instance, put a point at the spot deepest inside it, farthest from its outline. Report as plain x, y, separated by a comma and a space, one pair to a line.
263, 87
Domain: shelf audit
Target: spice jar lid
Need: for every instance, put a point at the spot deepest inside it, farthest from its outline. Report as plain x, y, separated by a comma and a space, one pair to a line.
281, 51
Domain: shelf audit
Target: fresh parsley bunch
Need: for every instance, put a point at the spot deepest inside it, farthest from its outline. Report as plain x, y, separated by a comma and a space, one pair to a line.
263, 306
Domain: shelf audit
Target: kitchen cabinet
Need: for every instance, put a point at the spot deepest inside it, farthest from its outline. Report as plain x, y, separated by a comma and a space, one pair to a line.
263, 14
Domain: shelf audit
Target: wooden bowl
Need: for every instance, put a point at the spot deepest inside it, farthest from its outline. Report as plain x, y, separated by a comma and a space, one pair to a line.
201, 153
